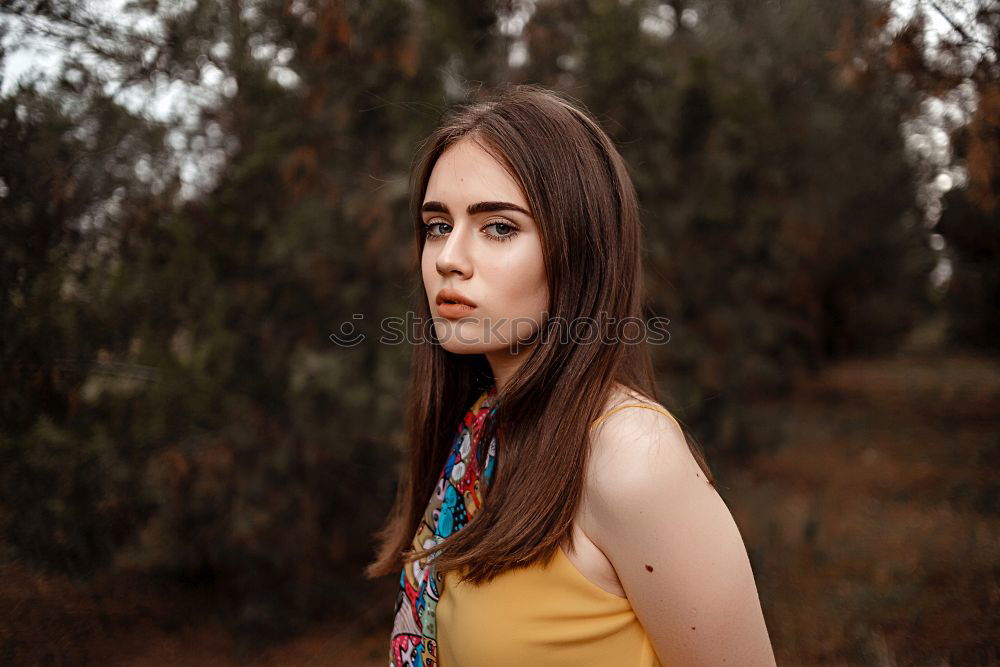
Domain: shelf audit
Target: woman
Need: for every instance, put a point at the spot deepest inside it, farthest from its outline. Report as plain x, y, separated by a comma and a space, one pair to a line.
598, 536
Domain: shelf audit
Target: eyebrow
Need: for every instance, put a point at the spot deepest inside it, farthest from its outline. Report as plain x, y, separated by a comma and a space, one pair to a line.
481, 207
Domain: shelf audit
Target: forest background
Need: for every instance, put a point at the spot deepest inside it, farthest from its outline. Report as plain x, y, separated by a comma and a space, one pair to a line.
195, 195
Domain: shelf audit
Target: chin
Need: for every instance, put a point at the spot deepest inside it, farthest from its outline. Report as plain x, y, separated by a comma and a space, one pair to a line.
465, 337
460, 337
466, 348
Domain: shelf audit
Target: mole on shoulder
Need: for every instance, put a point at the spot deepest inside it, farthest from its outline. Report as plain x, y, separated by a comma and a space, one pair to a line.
649, 568
692, 627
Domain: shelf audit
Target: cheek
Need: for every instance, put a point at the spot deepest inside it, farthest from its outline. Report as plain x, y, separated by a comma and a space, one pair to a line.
520, 282
428, 268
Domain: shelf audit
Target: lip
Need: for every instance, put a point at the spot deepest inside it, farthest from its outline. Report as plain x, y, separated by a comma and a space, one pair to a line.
447, 294
453, 305
454, 311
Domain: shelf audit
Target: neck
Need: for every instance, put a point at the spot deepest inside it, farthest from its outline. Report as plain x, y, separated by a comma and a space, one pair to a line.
505, 363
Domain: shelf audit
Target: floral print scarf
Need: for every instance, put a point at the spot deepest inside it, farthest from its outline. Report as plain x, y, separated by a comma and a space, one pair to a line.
457, 496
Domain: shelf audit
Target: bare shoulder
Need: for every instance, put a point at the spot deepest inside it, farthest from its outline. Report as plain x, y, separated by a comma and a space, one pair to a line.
673, 543
632, 443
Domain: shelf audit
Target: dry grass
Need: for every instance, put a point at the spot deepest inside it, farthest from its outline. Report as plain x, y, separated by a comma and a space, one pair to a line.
875, 528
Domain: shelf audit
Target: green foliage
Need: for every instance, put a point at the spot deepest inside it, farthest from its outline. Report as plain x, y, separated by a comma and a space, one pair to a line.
779, 205
973, 298
67, 472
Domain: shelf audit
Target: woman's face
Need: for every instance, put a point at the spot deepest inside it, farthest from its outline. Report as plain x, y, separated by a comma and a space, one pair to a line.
483, 244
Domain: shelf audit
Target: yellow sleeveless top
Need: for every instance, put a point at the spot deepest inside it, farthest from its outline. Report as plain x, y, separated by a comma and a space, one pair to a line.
540, 616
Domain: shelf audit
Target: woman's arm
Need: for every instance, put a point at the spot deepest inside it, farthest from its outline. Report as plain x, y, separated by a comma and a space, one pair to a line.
674, 544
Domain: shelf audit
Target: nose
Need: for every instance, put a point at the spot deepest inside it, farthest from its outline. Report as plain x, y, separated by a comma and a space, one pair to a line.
454, 255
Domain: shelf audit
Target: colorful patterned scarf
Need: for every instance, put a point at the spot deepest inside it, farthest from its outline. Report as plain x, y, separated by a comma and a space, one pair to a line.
457, 497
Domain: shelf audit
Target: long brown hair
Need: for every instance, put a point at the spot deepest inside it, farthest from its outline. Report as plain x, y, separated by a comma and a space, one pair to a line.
584, 203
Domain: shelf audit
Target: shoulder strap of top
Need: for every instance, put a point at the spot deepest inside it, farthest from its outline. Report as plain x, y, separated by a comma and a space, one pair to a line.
612, 411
